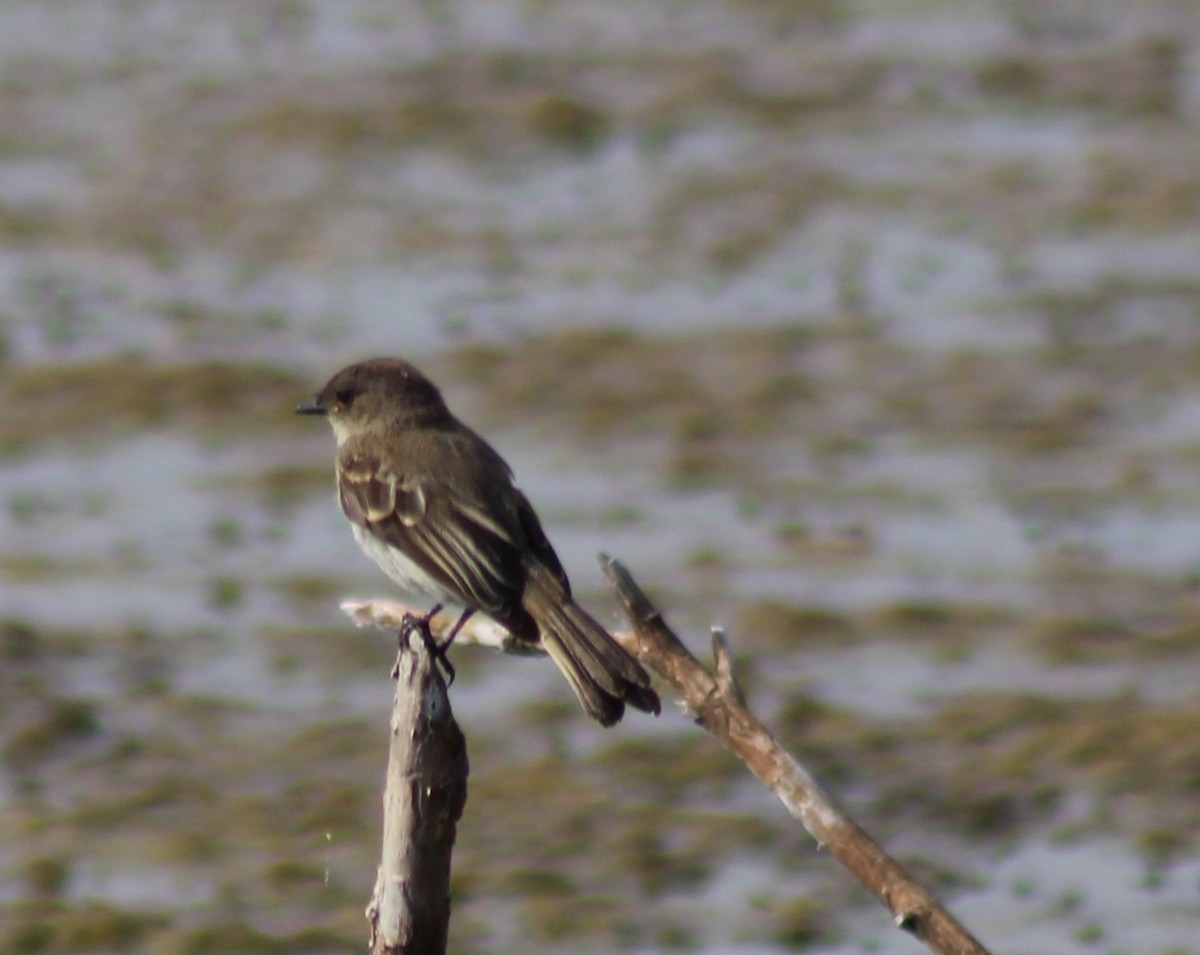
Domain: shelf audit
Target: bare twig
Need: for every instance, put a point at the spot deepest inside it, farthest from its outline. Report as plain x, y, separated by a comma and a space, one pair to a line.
718, 706
389, 615
423, 799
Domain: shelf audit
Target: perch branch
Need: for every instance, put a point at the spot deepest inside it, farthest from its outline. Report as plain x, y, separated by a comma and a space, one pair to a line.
389, 615
718, 706
423, 799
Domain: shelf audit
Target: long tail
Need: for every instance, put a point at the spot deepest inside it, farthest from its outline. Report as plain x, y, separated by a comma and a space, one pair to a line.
601, 673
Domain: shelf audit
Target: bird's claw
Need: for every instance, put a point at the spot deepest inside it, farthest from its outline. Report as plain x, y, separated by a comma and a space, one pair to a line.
437, 651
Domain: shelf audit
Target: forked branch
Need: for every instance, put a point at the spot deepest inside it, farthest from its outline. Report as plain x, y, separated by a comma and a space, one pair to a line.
717, 704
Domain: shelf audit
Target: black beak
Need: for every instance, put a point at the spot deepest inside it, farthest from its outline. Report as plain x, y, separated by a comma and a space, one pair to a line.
312, 406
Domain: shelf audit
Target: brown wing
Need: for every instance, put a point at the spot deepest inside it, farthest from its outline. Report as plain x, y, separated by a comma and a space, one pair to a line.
538, 543
452, 538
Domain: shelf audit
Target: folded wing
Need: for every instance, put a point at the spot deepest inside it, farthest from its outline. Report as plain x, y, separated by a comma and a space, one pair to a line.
454, 540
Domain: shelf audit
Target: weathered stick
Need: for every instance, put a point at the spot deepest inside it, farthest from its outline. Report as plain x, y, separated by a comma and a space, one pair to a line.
717, 705
423, 799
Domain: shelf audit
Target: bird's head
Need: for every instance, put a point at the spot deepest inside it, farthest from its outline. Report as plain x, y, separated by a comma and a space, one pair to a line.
379, 392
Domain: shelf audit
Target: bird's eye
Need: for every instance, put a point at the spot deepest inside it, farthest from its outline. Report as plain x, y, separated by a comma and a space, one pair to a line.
345, 397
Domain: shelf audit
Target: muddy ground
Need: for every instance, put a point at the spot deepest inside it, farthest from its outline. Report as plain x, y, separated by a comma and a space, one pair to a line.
868, 330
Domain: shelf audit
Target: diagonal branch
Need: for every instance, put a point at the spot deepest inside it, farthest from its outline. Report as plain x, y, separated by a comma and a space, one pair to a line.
718, 706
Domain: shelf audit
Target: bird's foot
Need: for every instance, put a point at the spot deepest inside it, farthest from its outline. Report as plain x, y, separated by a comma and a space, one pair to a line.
420, 625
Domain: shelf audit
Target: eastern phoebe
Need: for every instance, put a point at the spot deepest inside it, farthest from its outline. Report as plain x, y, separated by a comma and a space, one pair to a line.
434, 505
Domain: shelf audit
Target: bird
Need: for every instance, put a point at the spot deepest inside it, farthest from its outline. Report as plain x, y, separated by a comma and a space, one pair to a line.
434, 505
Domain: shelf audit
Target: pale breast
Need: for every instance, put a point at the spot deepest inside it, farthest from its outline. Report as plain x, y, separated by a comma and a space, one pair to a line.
408, 576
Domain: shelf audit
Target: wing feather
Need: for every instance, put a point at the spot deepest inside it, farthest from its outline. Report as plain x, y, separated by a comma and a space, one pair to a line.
455, 540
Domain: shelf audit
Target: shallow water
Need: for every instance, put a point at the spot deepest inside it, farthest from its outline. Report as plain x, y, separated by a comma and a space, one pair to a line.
973, 480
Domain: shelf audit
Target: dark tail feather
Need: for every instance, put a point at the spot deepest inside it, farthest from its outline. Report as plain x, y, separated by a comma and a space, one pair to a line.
601, 673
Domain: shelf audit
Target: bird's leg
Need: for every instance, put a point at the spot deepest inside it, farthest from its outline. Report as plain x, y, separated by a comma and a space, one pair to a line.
466, 615
436, 650
439, 650
410, 622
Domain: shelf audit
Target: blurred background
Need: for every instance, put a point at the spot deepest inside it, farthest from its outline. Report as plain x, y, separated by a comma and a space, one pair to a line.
867, 329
